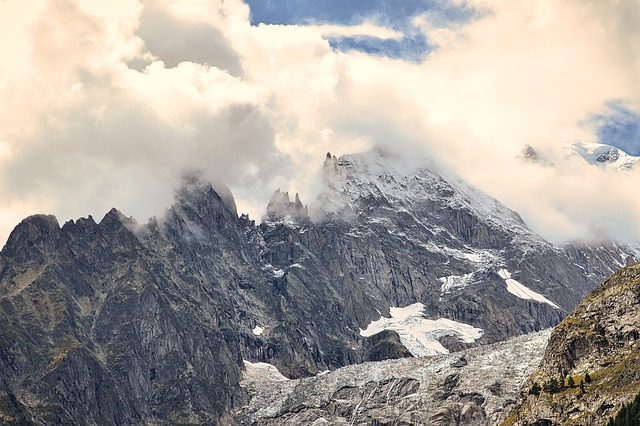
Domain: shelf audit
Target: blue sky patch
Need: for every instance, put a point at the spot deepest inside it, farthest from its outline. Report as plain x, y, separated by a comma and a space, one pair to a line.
412, 48
396, 15
620, 127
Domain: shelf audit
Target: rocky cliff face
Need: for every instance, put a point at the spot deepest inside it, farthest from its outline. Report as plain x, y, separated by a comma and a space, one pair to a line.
113, 323
600, 339
120, 323
387, 234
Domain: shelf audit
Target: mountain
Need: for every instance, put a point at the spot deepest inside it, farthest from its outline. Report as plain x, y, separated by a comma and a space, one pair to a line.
397, 233
603, 155
597, 348
528, 154
115, 322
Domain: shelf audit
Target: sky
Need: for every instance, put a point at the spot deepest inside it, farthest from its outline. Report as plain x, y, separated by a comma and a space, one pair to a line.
107, 104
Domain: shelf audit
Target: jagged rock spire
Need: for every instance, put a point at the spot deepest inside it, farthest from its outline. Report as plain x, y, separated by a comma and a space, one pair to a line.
281, 206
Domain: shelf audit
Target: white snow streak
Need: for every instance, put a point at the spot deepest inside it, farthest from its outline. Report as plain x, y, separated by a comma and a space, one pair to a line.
257, 330
455, 281
420, 335
521, 291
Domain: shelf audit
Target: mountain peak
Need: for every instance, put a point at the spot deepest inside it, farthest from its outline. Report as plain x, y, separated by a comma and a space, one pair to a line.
194, 190
33, 234
280, 206
529, 154
602, 155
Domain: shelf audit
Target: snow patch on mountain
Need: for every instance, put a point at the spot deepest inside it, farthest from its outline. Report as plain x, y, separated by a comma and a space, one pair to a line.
420, 335
523, 292
455, 281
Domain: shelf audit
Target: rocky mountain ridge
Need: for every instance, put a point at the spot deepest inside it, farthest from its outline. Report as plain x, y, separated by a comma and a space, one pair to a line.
600, 155
120, 323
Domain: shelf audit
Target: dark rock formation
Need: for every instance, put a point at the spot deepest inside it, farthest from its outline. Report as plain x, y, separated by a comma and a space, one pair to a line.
609, 156
280, 207
385, 345
528, 154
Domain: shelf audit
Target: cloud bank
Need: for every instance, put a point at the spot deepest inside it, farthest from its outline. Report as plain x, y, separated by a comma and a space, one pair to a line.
104, 106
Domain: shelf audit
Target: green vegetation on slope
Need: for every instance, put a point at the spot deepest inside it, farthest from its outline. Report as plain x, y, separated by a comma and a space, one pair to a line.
629, 414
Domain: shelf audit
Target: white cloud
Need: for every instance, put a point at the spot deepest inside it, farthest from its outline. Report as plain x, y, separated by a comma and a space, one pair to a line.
81, 132
105, 106
366, 29
184, 31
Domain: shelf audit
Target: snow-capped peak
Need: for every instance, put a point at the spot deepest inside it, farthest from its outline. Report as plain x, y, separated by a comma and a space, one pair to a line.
379, 180
603, 155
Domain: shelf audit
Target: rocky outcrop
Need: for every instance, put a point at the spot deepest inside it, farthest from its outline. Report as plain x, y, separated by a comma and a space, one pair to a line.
280, 206
384, 345
592, 360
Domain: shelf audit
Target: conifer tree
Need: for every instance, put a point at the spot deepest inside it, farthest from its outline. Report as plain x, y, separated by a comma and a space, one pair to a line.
629, 414
535, 389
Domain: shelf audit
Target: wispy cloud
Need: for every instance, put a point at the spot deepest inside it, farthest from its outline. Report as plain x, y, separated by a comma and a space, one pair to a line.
366, 29
397, 34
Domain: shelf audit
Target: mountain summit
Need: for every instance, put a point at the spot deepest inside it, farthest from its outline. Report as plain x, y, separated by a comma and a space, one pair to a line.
603, 155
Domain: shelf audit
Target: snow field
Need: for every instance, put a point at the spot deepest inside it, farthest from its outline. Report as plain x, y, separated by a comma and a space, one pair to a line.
420, 335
